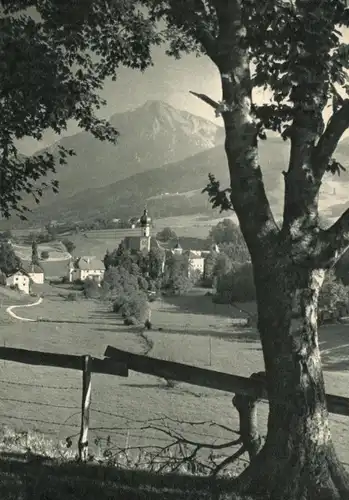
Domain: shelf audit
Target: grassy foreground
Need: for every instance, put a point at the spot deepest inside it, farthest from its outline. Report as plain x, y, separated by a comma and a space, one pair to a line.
32, 467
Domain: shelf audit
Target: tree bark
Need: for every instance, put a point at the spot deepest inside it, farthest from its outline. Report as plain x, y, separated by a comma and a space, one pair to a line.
298, 460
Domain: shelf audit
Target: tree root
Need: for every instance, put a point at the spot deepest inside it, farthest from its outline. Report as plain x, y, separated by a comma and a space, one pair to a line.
298, 478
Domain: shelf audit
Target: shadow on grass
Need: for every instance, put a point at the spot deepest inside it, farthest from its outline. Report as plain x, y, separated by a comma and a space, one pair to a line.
239, 336
336, 359
37, 478
202, 304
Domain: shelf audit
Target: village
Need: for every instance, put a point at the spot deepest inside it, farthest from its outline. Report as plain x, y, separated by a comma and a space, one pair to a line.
85, 267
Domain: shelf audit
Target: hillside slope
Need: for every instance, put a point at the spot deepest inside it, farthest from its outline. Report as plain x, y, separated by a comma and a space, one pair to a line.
150, 136
175, 189
158, 187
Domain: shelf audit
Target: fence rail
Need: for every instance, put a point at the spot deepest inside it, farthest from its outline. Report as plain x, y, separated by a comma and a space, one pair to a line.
68, 361
248, 391
254, 387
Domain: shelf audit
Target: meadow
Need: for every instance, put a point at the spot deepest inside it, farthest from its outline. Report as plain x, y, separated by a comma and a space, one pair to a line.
96, 242
193, 331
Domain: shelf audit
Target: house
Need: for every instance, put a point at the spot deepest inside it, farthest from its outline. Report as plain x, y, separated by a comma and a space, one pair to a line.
197, 252
35, 272
196, 262
86, 267
19, 279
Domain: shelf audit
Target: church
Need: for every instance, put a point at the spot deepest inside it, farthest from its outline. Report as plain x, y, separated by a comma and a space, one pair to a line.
143, 242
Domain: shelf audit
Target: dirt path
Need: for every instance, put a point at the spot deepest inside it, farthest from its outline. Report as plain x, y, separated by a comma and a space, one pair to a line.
9, 310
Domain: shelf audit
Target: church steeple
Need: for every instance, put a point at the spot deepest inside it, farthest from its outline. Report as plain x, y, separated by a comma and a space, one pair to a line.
145, 221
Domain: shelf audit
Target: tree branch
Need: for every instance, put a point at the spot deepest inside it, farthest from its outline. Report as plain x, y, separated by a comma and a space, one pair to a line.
337, 125
335, 240
206, 99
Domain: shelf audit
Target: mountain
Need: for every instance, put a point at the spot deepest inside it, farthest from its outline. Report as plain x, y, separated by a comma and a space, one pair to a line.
150, 136
173, 189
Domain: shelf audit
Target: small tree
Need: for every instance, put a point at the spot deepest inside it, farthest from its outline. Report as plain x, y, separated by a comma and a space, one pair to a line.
44, 254
69, 245
175, 279
135, 306
91, 289
166, 234
9, 262
333, 294
120, 281
35, 255
226, 231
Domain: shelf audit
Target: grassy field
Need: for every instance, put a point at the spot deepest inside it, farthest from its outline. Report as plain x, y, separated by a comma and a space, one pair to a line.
56, 250
194, 330
96, 242
10, 297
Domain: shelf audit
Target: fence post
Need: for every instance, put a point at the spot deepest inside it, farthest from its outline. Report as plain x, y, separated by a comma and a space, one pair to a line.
85, 409
247, 408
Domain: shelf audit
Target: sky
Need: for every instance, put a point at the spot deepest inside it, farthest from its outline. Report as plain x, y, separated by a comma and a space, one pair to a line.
168, 80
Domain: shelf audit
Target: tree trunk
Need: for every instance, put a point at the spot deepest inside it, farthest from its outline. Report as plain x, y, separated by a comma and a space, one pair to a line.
298, 461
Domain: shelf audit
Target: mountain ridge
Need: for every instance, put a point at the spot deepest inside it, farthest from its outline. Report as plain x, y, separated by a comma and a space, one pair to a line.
170, 187
150, 136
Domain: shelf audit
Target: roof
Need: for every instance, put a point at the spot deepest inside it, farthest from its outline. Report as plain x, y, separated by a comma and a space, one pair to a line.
188, 243
18, 271
55, 268
32, 268
194, 255
89, 263
145, 219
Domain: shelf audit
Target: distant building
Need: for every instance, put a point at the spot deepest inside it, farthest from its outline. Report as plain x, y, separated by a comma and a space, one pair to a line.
142, 242
197, 256
19, 279
35, 273
196, 263
177, 249
86, 267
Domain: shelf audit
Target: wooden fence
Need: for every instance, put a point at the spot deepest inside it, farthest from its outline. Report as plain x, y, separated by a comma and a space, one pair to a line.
248, 391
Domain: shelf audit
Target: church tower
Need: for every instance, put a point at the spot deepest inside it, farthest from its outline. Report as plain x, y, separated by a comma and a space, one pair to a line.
145, 221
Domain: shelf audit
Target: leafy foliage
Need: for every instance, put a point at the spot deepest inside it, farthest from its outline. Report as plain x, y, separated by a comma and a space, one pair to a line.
166, 234
333, 293
69, 245
135, 306
9, 262
48, 76
120, 281
176, 280
227, 232
237, 285
35, 254
91, 289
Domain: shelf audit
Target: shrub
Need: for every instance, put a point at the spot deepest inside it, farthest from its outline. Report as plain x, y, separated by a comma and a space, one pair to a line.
71, 296
166, 234
69, 245
91, 289
135, 306
119, 302
45, 254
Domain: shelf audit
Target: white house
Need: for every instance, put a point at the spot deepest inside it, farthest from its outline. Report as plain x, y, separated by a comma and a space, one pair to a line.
87, 267
195, 262
35, 273
20, 279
